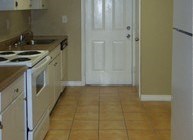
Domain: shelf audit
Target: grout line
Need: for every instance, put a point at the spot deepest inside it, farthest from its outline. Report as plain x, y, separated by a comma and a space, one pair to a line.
99, 102
124, 118
73, 118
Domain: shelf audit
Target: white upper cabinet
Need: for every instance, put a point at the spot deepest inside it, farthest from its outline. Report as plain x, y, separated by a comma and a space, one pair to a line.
39, 4
14, 5
22, 4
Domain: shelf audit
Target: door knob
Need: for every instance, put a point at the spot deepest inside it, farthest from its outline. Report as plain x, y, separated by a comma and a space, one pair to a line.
128, 27
128, 36
137, 39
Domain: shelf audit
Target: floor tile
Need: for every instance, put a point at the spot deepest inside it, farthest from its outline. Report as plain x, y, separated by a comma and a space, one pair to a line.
65, 108
133, 107
142, 135
141, 116
59, 124
88, 102
89, 116
139, 125
110, 103
91, 89
68, 102
161, 124
84, 135
110, 108
85, 125
108, 90
125, 89
86, 108
112, 125
65, 116
164, 134
109, 99
112, 116
113, 135
57, 135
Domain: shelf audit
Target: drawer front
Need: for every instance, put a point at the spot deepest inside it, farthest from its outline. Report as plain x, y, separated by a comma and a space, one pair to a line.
11, 92
40, 131
55, 52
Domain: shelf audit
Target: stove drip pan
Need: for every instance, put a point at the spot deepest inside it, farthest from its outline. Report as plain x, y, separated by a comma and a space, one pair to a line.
20, 60
7, 53
29, 53
2, 59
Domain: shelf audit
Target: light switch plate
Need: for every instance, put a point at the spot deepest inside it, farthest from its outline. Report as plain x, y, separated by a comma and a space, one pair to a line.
64, 19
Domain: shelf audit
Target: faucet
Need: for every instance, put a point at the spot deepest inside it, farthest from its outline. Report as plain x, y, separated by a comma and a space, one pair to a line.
21, 40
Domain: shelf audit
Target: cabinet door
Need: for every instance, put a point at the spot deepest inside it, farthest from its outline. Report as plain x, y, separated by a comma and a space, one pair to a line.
58, 76
64, 65
13, 121
51, 72
39, 4
23, 4
18, 117
8, 130
44, 4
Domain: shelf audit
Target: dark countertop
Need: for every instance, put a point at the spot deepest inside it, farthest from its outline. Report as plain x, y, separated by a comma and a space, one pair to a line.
48, 47
9, 74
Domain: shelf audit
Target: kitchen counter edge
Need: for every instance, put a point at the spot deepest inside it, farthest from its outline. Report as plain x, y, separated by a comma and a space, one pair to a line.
8, 74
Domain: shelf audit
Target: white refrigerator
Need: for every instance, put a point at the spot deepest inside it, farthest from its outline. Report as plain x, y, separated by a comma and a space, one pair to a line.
182, 78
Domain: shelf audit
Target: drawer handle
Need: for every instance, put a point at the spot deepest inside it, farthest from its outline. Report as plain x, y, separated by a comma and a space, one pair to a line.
1, 125
55, 64
16, 90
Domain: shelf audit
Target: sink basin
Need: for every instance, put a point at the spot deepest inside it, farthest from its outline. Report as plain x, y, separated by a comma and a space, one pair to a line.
40, 41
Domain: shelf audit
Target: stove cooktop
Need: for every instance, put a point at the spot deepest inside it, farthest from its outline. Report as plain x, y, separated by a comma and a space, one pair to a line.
28, 58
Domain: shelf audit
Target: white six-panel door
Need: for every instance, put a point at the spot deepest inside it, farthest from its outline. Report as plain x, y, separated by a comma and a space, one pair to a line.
108, 29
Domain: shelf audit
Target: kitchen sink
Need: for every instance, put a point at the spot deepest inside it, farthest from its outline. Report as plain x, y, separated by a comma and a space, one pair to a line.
40, 41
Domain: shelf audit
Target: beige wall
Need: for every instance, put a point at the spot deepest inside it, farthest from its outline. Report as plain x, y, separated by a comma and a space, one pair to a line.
18, 22
156, 46
49, 22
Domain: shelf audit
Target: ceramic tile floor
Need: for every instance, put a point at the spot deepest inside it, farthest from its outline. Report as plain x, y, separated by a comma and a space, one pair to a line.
108, 113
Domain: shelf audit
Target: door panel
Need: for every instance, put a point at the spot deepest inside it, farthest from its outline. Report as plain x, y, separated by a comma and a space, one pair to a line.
99, 56
118, 14
108, 50
118, 56
98, 14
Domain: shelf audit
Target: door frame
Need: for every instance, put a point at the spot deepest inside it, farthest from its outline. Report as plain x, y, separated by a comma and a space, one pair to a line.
83, 47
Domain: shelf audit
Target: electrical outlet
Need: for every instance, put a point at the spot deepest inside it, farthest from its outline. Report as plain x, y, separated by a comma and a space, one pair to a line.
64, 19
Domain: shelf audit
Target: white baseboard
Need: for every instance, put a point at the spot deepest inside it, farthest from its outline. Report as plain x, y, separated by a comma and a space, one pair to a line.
72, 83
156, 97
63, 83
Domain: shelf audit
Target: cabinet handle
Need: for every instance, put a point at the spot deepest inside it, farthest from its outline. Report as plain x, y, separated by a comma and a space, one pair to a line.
1, 125
16, 90
55, 64
42, 5
16, 4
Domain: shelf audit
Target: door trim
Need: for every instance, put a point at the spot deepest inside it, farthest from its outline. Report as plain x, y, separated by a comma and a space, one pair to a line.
83, 47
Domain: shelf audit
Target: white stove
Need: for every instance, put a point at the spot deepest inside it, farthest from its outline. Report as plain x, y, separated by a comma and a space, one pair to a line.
28, 58
37, 90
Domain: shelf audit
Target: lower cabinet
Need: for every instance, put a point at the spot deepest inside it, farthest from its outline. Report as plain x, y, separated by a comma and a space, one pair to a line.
57, 76
54, 80
12, 119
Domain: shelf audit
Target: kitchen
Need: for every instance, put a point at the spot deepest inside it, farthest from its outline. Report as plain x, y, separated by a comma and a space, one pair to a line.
155, 75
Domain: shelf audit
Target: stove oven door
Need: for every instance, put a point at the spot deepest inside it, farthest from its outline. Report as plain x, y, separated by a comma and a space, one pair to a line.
37, 92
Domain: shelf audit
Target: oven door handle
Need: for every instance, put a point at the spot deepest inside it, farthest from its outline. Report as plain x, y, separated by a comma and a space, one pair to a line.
42, 65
